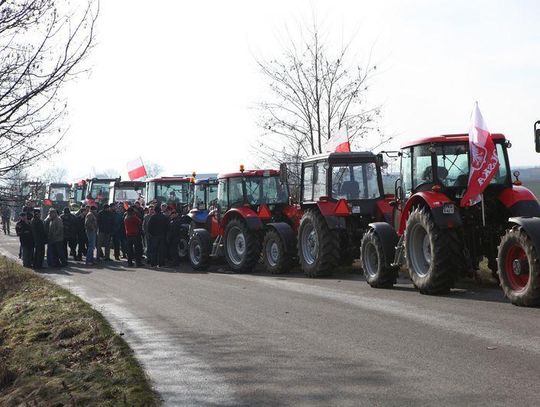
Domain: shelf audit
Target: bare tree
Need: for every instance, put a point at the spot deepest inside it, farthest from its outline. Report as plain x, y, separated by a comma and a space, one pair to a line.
55, 174
153, 169
315, 91
42, 45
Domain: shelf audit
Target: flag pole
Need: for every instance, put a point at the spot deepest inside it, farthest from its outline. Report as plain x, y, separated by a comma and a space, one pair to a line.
483, 210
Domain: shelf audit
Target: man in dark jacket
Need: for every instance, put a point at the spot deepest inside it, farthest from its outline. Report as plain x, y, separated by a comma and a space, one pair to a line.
105, 223
24, 231
158, 225
119, 235
173, 237
40, 238
70, 233
133, 230
82, 239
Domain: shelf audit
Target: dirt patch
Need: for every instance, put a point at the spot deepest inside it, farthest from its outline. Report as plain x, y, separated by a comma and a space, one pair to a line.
56, 350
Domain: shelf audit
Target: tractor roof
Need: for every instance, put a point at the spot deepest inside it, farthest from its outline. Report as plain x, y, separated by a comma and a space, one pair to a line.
447, 138
250, 173
341, 157
59, 184
170, 179
206, 181
129, 183
103, 180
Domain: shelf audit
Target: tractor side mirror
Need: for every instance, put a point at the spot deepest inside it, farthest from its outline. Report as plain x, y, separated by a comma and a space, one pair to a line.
283, 173
537, 136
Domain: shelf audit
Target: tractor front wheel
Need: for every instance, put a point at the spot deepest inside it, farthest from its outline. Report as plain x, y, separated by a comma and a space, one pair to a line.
318, 245
434, 256
519, 271
183, 245
376, 269
242, 246
275, 257
199, 249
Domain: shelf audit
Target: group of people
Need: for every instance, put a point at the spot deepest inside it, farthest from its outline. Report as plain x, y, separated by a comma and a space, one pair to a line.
130, 231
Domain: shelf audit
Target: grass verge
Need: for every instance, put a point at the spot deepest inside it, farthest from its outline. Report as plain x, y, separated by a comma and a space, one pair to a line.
56, 350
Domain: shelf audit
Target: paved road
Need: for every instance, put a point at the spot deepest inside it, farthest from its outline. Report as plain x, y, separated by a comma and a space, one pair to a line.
223, 339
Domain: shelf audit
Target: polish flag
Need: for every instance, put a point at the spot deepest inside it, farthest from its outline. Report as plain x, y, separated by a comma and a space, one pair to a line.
339, 142
136, 169
483, 156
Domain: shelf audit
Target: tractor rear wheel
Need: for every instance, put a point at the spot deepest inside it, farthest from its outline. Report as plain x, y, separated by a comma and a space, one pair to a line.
519, 268
200, 247
183, 244
242, 246
274, 253
376, 269
434, 256
318, 245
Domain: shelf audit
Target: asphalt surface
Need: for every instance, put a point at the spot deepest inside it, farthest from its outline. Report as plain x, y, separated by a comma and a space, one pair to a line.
216, 338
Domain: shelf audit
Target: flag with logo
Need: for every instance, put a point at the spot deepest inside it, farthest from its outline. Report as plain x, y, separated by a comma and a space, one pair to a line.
484, 162
339, 142
136, 169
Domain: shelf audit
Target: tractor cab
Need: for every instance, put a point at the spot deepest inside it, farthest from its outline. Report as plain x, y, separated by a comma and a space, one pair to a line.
98, 191
127, 191
177, 192
204, 200
33, 191
78, 194
57, 197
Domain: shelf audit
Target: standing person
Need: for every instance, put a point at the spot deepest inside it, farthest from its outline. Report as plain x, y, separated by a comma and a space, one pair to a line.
6, 218
119, 234
82, 239
173, 238
70, 233
28, 208
54, 228
91, 228
24, 231
40, 238
133, 230
139, 210
157, 230
165, 210
146, 219
105, 222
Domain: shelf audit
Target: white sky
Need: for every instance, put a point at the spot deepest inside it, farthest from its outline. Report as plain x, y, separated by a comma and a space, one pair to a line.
175, 82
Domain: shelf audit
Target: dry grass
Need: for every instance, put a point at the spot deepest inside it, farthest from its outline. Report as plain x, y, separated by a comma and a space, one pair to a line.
56, 350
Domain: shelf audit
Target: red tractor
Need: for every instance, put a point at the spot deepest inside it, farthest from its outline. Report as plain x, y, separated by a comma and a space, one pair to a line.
341, 194
438, 240
252, 215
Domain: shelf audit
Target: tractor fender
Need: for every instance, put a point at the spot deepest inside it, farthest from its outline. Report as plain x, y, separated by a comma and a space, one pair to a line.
520, 201
433, 200
326, 209
389, 239
198, 216
248, 215
286, 234
531, 226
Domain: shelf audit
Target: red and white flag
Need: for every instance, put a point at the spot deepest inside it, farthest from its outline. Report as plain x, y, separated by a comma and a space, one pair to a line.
136, 169
339, 142
483, 156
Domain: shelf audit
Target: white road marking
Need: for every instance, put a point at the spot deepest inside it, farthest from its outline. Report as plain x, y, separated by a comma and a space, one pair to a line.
495, 334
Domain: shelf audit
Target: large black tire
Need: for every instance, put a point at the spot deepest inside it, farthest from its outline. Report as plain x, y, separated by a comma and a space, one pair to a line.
318, 245
434, 256
200, 247
183, 244
378, 273
242, 246
275, 257
519, 268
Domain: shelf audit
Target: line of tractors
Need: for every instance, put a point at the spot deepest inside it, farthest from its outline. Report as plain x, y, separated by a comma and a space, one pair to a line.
342, 214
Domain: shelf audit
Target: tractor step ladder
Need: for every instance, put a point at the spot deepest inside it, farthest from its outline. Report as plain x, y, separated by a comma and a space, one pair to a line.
218, 244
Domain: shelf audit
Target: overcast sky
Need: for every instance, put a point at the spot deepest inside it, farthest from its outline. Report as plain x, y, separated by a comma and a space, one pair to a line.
175, 82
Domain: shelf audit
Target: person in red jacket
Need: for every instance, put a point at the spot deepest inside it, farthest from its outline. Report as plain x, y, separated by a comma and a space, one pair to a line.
133, 226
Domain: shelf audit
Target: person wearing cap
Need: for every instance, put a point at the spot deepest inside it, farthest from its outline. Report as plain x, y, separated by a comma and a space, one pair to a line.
40, 238
24, 231
70, 233
54, 228
158, 225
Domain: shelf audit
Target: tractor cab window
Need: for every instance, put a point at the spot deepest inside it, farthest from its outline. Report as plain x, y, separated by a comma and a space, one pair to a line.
100, 191
452, 164
59, 194
406, 173
130, 194
502, 173
319, 187
171, 193
356, 181
267, 190
211, 195
236, 192
79, 195
307, 194
222, 195
422, 172
200, 201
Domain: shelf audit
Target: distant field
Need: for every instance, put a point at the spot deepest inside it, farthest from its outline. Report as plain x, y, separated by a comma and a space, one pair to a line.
534, 186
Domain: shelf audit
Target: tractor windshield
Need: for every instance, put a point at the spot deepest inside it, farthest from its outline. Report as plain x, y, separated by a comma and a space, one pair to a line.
128, 193
177, 193
258, 190
205, 195
100, 191
59, 193
355, 181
